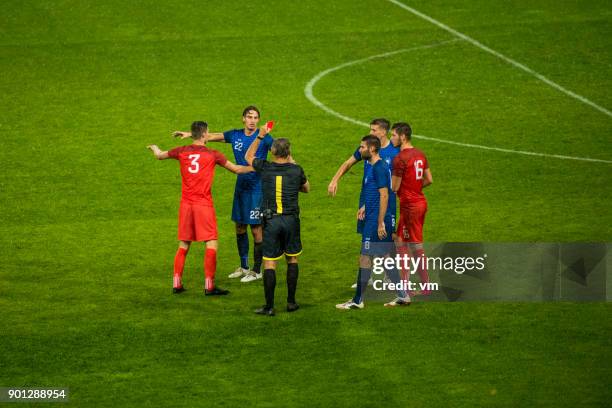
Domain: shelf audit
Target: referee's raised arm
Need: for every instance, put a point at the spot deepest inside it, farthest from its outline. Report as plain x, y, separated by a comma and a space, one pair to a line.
250, 153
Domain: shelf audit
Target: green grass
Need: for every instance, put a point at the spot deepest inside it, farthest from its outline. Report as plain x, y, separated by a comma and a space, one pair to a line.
88, 227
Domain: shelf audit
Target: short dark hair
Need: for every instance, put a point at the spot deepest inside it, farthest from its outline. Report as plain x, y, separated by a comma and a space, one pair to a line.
281, 147
402, 128
198, 129
250, 108
372, 141
382, 122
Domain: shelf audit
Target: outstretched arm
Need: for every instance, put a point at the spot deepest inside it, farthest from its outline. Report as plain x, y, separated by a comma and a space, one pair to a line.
159, 154
332, 189
212, 137
238, 169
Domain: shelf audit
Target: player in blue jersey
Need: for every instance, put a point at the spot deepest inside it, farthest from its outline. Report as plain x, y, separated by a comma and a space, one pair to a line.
246, 209
380, 129
377, 228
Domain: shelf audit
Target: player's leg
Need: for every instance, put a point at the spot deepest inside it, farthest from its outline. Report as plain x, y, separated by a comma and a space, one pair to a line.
402, 298
365, 270
242, 239
373, 246
205, 221
251, 202
210, 269
387, 249
179, 265
360, 227
186, 234
255, 273
363, 276
242, 243
370, 283
415, 227
402, 248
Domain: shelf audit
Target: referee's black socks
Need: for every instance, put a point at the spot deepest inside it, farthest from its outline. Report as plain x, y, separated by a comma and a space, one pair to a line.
269, 281
292, 278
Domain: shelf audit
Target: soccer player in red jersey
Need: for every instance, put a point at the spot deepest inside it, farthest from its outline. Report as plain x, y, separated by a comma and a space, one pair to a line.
411, 174
197, 219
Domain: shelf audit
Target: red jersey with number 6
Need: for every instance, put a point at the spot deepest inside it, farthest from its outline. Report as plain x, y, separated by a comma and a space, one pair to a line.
410, 165
197, 171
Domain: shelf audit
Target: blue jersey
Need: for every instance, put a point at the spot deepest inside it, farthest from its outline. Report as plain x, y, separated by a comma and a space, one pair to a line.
240, 144
387, 154
377, 176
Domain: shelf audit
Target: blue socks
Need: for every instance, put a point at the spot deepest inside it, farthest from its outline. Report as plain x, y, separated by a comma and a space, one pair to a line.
362, 283
243, 249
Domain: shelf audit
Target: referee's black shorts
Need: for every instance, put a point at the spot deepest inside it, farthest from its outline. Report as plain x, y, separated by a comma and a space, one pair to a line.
281, 236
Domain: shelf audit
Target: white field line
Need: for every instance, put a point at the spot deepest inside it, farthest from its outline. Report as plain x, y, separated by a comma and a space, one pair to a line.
502, 57
308, 92
310, 85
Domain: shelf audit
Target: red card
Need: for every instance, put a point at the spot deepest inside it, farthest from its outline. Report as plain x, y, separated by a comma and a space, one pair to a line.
270, 125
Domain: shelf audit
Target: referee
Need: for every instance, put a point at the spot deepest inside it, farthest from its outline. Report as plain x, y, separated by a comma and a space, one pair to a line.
282, 180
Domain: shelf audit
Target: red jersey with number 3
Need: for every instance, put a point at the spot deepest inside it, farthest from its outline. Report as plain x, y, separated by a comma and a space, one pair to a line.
197, 171
410, 165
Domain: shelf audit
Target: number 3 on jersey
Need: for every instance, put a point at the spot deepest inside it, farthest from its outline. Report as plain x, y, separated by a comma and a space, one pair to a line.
195, 165
418, 169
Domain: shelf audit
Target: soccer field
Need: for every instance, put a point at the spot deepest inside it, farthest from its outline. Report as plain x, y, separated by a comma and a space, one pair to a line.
512, 102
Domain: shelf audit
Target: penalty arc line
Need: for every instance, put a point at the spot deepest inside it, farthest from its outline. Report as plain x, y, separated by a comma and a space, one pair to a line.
502, 57
308, 92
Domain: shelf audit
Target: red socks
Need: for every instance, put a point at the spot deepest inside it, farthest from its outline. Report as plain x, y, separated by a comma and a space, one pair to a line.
402, 250
179, 263
210, 268
419, 253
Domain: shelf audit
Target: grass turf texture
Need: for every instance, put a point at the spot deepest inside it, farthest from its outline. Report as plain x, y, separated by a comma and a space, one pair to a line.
89, 217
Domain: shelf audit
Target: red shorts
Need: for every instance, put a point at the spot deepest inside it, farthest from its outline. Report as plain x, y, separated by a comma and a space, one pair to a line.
197, 223
410, 226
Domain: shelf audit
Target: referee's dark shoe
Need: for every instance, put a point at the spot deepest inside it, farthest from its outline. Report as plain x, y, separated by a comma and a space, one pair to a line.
265, 310
216, 292
292, 307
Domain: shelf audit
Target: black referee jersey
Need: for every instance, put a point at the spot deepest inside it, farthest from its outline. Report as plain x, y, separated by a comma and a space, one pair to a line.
280, 184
